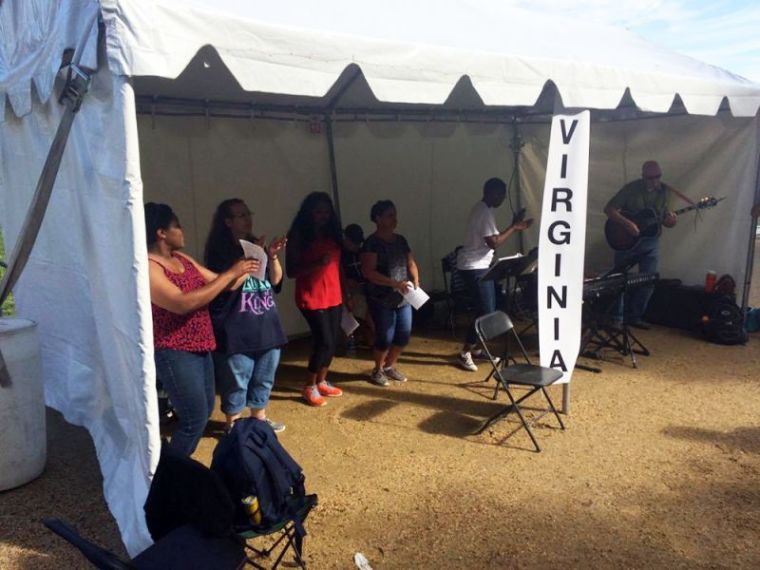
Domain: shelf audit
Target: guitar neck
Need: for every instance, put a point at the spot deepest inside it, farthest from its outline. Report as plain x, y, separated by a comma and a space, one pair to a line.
686, 209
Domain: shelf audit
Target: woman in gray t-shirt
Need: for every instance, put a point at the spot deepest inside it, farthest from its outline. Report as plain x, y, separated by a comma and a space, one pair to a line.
389, 268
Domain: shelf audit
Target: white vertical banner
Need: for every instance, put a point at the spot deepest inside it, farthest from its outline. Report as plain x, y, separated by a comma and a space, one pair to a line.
562, 243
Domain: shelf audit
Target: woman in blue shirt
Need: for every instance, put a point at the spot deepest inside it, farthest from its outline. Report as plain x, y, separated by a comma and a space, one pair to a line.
246, 323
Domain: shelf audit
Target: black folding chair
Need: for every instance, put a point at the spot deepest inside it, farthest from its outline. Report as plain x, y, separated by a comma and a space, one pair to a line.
459, 298
184, 547
190, 515
184, 490
497, 325
287, 539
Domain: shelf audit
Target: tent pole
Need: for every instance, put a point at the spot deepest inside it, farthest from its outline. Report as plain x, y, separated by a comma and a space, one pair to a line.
328, 117
516, 146
751, 246
566, 398
333, 169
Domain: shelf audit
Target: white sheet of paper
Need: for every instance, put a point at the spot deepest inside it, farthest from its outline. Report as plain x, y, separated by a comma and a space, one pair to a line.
348, 322
253, 251
415, 297
515, 256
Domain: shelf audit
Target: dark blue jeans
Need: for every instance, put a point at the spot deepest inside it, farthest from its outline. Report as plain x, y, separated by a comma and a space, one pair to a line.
188, 378
484, 293
647, 253
393, 325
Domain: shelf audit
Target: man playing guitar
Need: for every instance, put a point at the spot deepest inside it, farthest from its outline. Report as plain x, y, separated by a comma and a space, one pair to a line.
648, 192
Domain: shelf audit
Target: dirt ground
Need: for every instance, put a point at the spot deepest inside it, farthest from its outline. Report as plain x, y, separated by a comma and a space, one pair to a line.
659, 467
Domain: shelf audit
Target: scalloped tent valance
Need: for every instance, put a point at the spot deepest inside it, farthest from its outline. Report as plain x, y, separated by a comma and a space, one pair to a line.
33, 36
417, 53
412, 53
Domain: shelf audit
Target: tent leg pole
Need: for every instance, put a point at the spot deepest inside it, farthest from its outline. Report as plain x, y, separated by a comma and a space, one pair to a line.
516, 146
566, 399
751, 246
333, 169
330, 140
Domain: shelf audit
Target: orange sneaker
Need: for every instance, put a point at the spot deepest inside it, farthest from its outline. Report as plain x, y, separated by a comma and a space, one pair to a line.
313, 397
327, 389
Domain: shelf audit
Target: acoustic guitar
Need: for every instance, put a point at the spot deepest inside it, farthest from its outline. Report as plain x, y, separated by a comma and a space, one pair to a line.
649, 224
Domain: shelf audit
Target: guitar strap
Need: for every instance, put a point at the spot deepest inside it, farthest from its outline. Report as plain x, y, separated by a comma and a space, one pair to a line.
681, 195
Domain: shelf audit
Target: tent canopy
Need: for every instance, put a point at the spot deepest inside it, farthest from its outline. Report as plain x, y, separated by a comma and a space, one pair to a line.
408, 53
418, 52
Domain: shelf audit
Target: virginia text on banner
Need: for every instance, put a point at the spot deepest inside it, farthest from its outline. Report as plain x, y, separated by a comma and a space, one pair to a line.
562, 242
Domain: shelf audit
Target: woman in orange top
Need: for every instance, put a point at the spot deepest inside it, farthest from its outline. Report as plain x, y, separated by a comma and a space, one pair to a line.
313, 259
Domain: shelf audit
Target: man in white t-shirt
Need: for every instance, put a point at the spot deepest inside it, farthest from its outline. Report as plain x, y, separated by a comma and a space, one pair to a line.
482, 237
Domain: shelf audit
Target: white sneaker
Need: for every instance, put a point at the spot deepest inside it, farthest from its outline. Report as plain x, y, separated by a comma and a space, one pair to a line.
480, 355
465, 361
277, 427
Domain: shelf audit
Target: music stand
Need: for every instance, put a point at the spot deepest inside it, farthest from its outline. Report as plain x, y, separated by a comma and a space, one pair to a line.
505, 268
605, 334
508, 267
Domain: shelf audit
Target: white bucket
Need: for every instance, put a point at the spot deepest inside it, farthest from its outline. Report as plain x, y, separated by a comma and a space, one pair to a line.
23, 437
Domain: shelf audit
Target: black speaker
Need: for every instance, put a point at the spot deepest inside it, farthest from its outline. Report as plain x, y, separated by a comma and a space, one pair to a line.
689, 307
678, 306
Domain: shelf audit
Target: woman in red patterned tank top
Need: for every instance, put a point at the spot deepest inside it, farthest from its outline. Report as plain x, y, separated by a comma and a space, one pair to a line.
180, 291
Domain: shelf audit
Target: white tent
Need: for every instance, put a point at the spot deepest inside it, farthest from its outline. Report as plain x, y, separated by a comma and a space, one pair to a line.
417, 102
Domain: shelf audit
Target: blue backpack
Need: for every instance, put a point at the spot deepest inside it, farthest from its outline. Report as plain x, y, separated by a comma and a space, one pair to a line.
753, 320
252, 463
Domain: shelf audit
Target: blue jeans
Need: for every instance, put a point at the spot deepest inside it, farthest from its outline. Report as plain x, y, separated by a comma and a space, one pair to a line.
393, 325
647, 252
188, 378
484, 294
248, 379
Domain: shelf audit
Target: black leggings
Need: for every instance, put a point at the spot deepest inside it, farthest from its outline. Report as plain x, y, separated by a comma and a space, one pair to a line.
324, 325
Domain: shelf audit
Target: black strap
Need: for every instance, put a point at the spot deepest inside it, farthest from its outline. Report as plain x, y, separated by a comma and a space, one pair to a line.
77, 85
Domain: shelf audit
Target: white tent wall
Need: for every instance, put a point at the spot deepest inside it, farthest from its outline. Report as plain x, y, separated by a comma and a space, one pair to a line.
84, 285
700, 156
194, 163
433, 172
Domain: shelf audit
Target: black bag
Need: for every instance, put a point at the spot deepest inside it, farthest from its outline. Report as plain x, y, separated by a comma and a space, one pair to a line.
716, 316
184, 492
252, 463
725, 285
724, 323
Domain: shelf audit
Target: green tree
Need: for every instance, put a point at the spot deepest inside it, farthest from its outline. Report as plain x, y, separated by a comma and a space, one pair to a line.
8, 307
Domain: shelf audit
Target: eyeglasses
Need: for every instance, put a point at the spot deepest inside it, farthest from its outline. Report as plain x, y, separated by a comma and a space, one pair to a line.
655, 177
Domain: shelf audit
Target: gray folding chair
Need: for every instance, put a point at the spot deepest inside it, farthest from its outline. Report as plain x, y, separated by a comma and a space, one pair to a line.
498, 325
